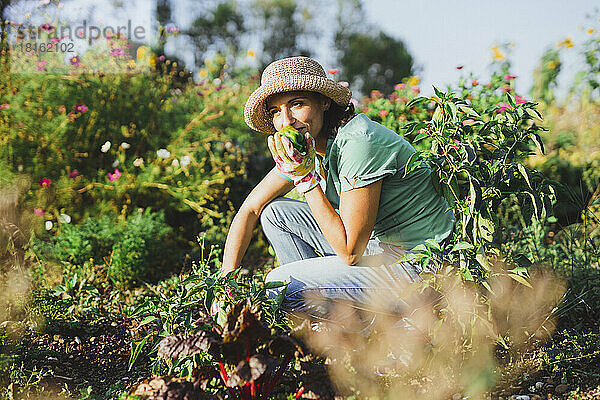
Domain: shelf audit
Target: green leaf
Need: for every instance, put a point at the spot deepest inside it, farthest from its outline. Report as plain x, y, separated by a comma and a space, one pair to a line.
472, 196
533, 113
416, 101
433, 244
469, 111
421, 136
482, 260
438, 93
462, 246
452, 110
466, 273
438, 115
413, 163
538, 142
410, 257
523, 172
511, 99
274, 284
148, 319
520, 279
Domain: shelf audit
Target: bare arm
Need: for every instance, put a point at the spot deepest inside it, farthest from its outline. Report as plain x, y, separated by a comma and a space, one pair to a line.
244, 222
348, 233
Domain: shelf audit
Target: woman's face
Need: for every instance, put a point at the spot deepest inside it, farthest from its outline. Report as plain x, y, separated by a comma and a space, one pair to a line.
300, 110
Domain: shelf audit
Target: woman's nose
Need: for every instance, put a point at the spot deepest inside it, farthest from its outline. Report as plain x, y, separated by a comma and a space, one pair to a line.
287, 119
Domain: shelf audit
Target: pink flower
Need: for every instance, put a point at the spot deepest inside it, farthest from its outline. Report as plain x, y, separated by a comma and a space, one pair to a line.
403, 99
344, 83
354, 102
509, 77
73, 174
467, 122
415, 90
172, 29
114, 176
459, 67
393, 97
160, 58
41, 65
75, 61
39, 212
55, 40
365, 109
520, 100
21, 124
503, 107
475, 82
333, 71
47, 27
376, 94
399, 86
4, 106
80, 108
506, 88
383, 113
45, 182
116, 52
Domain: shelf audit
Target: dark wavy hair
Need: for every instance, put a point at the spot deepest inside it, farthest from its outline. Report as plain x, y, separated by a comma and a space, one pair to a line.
335, 116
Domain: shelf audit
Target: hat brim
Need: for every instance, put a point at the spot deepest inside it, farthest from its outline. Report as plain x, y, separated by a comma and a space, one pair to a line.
255, 110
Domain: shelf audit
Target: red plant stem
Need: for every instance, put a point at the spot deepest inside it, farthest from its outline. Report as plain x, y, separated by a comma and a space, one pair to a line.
252, 389
299, 392
276, 377
225, 378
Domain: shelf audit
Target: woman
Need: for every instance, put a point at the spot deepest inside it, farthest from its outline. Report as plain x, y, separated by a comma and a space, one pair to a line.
361, 213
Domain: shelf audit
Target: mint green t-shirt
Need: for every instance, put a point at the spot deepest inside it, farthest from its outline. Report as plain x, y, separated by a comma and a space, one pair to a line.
410, 210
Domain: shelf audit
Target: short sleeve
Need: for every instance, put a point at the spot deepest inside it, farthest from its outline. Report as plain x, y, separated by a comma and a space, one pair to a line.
282, 175
363, 160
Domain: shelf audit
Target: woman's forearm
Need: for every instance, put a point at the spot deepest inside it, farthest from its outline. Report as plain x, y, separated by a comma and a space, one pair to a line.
238, 238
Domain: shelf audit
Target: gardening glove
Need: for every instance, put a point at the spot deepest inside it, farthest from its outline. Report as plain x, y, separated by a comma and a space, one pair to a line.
296, 165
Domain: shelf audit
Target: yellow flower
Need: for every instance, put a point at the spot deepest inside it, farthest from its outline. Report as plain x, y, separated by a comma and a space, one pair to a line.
590, 31
567, 43
132, 63
552, 65
413, 81
141, 52
251, 53
203, 73
28, 15
497, 53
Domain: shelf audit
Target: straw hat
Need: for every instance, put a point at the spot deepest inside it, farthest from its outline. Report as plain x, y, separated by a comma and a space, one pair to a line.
286, 75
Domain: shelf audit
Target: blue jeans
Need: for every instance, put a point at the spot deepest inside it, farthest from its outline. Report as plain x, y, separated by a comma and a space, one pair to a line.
317, 283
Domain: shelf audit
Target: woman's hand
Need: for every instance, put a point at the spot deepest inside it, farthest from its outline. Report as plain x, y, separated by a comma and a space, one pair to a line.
299, 167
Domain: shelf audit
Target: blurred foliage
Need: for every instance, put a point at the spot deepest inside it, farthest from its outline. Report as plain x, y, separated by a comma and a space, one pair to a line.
369, 58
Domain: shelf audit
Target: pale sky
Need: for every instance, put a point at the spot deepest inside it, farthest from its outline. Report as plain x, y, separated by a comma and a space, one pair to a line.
443, 34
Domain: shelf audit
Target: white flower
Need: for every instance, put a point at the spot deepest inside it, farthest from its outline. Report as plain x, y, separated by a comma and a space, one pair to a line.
125, 145
116, 163
185, 161
217, 81
163, 153
20, 167
175, 162
206, 182
48, 225
138, 162
105, 147
44, 2
64, 219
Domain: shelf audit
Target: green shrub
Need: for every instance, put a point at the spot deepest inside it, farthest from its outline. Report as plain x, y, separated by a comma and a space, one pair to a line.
133, 250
